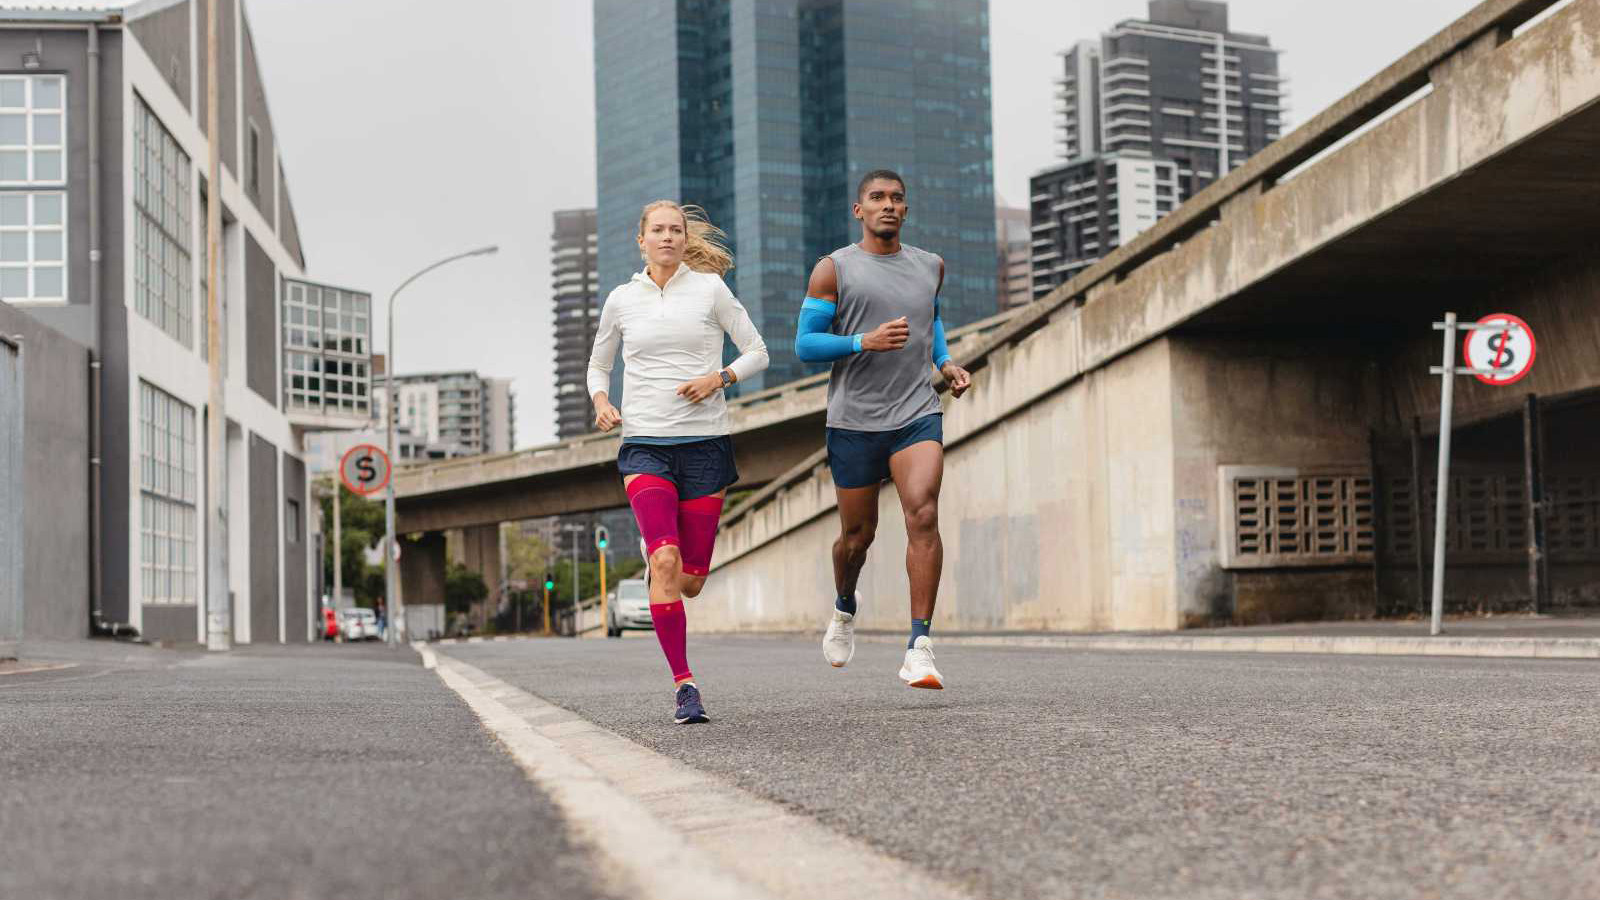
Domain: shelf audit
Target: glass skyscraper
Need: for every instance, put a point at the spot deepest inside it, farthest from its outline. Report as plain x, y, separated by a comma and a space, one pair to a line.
767, 113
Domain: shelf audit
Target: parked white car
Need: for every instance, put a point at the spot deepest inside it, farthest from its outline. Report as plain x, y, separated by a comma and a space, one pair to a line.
629, 608
359, 624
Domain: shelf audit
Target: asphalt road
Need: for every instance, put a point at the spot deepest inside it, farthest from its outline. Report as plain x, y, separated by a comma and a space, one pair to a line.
1045, 773
331, 771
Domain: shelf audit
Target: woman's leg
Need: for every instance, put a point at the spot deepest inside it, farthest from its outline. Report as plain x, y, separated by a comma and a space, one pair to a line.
697, 533
655, 508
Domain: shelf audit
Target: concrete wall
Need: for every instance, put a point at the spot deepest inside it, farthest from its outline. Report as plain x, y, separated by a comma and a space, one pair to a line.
55, 489
296, 553
264, 531
227, 76
255, 113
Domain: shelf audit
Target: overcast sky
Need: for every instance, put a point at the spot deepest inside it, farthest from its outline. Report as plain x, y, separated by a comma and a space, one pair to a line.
411, 130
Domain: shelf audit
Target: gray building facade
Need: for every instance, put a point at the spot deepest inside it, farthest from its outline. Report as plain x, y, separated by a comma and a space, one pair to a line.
575, 309
460, 413
781, 106
102, 187
1149, 115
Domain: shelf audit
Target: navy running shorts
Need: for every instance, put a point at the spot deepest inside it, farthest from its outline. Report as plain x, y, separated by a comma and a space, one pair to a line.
699, 469
861, 458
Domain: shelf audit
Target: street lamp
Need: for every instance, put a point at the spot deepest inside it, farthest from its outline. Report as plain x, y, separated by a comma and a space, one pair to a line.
390, 564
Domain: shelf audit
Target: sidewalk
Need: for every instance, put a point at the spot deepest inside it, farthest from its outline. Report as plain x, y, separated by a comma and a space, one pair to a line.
1567, 636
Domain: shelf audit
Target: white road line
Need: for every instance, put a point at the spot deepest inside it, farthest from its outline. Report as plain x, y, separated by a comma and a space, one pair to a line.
676, 831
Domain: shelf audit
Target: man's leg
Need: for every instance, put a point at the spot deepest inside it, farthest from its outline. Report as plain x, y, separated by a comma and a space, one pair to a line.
918, 471
858, 524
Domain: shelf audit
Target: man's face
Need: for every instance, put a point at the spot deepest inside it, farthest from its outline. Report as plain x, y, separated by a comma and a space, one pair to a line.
882, 207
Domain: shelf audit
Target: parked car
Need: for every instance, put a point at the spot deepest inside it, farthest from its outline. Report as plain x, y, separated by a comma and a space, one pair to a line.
629, 608
360, 624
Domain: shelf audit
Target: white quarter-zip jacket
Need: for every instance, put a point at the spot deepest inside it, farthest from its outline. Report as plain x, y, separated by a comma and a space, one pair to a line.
669, 335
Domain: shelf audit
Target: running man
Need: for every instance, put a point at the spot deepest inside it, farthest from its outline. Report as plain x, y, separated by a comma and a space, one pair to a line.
676, 458
872, 309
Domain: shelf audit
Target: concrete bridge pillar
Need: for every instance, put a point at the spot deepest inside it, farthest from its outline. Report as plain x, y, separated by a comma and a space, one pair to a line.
422, 569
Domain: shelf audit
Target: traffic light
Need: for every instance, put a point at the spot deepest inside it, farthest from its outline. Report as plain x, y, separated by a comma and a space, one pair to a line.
549, 582
602, 536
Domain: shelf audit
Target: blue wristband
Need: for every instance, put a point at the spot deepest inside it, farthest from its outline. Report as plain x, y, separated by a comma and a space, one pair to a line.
855, 343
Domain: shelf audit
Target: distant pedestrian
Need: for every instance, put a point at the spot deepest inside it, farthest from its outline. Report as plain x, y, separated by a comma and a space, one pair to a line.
676, 459
872, 309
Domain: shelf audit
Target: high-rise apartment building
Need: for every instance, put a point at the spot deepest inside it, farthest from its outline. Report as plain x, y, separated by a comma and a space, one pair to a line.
1150, 114
1014, 257
575, 305
455, 411
767, 113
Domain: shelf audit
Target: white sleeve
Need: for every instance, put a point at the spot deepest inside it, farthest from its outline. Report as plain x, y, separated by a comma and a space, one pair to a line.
733, 318
607, 339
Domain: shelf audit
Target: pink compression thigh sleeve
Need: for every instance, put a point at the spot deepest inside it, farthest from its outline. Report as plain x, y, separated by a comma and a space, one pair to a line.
672, 628
697, 533
655, 508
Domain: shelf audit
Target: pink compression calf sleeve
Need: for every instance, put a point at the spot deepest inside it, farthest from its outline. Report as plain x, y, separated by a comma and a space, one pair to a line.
697, 533
672, 628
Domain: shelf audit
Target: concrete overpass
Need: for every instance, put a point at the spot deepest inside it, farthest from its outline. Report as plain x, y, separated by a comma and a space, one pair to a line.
1219, 420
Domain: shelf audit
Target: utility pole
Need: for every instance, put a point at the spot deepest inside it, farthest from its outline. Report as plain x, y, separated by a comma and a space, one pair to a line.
219, 625
338, 544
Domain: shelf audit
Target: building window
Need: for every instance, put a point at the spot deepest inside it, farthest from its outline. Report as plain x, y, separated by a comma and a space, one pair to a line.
168, 556
327, 366
33, 246
163, 282
33, 235
293, 518
33, 131
253, 163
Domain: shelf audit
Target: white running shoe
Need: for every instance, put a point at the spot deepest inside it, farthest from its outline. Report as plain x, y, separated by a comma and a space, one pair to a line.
918, 670
839, 641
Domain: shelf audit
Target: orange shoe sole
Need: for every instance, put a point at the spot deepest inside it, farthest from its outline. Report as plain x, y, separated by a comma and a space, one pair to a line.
929, 682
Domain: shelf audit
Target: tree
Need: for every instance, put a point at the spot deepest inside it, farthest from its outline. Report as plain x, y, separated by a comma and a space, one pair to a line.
462, 588
362, 522
527, 555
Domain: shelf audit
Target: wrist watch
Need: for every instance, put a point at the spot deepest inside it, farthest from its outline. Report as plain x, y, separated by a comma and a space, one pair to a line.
727, 377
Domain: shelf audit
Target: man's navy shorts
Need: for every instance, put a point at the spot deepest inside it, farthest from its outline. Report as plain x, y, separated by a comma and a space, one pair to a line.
861, 458
699, 469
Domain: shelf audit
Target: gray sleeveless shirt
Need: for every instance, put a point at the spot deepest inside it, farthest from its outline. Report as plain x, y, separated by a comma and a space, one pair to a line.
884, 391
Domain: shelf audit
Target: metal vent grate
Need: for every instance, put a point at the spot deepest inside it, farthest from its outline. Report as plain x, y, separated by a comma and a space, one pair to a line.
1301, 520
1488, 518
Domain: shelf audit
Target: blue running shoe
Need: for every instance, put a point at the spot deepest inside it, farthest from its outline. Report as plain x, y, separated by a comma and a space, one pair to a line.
690, 710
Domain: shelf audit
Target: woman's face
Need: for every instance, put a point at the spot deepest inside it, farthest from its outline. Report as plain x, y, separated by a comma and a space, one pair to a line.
663, 238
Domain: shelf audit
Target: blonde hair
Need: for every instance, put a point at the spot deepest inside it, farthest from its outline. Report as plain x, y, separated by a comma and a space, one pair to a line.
704, 249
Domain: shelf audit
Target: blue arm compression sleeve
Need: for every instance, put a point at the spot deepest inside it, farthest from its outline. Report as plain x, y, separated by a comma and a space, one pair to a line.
813, 342
941, 349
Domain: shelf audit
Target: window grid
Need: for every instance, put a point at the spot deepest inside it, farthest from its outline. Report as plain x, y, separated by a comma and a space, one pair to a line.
326, 333
162, 274
33, 245
33, 153
169, 555
33, 132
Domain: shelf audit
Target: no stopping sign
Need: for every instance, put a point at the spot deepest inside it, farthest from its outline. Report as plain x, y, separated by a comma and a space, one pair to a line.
364, 469
1508, 352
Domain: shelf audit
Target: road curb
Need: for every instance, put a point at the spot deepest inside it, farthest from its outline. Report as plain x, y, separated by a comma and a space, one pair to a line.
1343, 645
685, 833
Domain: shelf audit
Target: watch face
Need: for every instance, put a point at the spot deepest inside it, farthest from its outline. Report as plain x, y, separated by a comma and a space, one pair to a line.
726, 378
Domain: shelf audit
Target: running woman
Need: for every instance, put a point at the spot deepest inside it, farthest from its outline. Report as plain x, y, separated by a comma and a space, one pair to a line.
676, 459
872, 309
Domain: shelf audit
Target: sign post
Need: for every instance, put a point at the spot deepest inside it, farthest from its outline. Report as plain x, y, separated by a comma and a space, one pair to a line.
364, 469
1498, 349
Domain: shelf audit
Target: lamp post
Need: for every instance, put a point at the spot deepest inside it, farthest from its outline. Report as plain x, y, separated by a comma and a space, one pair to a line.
390, 564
